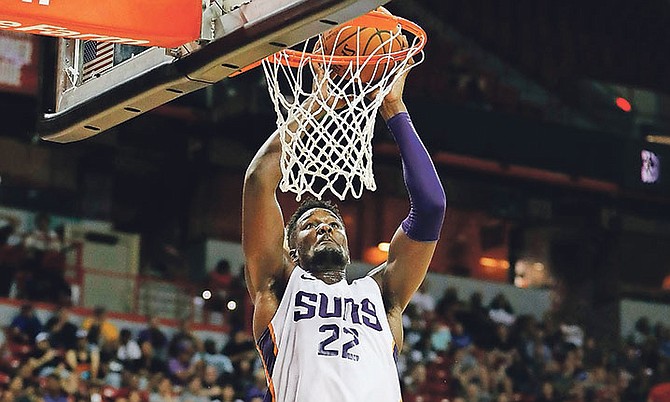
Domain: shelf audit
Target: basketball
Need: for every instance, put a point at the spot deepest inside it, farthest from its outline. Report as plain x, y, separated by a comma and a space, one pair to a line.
364, 41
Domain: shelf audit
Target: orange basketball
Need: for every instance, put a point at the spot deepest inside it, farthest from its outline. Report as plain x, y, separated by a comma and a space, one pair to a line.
364, 41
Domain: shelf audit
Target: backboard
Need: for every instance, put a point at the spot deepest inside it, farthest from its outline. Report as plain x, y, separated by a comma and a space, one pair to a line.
93, 86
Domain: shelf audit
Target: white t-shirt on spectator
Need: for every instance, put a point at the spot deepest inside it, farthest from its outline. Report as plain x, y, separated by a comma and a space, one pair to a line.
423, 302
43, 241
129, 351
501, 316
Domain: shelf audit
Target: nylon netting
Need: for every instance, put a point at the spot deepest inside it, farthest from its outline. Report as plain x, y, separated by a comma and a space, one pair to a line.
326, 120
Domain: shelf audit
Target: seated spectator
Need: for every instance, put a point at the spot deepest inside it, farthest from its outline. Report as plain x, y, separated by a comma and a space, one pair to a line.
62, 333
84, 360
44, 359
11, 252
220, 281
154, 335
210, 380
53, 391
240, 346
228, 393
423, 300
42, 238
163, 392
500, 310
100, 330
259, 386
184, 333
460, 338
193, 392
128, 353
25, 326
43, 263
182, 366
220, 362
130, 389
440, 337
149, 361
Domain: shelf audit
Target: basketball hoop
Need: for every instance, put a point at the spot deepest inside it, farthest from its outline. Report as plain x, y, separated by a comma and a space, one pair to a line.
327, 143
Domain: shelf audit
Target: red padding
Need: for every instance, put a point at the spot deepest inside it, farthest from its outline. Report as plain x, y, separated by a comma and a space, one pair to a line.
168, 23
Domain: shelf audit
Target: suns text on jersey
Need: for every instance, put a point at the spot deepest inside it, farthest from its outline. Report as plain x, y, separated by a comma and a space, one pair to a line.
310, 305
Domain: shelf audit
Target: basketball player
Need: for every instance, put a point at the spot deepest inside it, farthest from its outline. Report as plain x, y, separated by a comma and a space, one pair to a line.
321, 338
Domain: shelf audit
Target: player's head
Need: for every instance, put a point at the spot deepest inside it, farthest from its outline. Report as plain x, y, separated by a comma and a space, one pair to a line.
316, 236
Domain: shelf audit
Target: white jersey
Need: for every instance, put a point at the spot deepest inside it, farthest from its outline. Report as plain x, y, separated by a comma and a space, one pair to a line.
330, 343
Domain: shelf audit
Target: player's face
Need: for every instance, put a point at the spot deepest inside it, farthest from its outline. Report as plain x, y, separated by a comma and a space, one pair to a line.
321, 240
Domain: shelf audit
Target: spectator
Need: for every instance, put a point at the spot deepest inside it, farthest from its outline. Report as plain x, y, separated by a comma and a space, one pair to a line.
84, 360
25, 326
460, 338
194, 391
62, 333
44, 359
154, 335
423, 300
220, 280
45, 280
149, 361
100, 330
128, 353
131, 388
220, 362
240, 346
547, 393
42, 238
11, 251
181, 367
641, 331
184, 333
210, 380
163, 392
440, 337
53, 391
500, 310
258, 387
228, 392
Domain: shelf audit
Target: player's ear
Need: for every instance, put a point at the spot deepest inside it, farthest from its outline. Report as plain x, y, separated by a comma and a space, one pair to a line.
294, 255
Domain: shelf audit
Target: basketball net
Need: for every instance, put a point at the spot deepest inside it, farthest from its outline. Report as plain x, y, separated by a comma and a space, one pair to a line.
326, 120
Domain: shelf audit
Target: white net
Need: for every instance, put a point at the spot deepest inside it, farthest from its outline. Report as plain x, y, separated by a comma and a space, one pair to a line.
326, 111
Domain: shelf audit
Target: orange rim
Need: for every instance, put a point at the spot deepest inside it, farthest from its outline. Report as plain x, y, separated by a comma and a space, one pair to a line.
295, 58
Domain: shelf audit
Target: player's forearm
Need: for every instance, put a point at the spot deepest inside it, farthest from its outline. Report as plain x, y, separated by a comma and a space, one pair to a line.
264, 169
427, 198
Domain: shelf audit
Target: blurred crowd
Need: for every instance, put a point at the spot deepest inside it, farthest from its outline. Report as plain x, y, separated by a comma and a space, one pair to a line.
465, 351
94, 360
456, 350
32, 263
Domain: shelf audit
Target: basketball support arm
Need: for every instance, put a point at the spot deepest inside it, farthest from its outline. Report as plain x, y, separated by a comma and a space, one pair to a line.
239, 38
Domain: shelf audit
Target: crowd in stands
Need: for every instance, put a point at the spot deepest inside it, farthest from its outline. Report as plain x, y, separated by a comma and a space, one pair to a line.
465, 351
94, 360
454, 351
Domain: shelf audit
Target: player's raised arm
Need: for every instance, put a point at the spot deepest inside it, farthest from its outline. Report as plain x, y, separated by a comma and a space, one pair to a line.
262, 220
266, 260
413, 244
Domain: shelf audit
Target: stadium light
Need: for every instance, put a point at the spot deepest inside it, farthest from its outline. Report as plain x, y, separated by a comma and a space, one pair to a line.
623, 104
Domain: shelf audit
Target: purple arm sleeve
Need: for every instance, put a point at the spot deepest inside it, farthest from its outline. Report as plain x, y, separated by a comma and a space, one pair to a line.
427, 200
